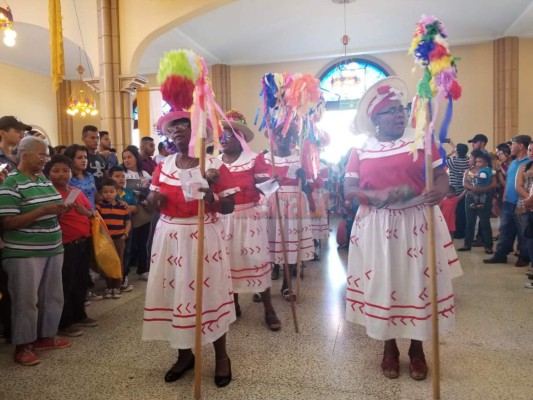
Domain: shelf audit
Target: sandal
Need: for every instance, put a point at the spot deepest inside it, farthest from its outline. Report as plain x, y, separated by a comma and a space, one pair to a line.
418, 368
390, 365
273, 322
288, 295
257, 298
489, 251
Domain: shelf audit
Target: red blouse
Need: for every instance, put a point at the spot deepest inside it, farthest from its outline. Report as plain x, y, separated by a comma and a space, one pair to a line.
166, 181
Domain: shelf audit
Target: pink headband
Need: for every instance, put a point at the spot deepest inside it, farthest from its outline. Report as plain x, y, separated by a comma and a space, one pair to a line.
385, 96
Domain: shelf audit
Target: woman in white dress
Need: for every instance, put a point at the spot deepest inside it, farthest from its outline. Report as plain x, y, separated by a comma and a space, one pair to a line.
169, 312
388, 279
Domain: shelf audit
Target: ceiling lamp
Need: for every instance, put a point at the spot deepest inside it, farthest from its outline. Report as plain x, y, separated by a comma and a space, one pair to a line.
6, 25
81, 102
346, 76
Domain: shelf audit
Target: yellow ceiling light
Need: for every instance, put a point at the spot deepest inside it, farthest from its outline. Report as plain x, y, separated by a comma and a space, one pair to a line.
81, 102
6, 25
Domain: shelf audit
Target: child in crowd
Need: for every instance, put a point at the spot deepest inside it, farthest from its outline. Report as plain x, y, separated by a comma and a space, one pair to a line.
482, 178
117, 220
127, 196
76, 228
448, 205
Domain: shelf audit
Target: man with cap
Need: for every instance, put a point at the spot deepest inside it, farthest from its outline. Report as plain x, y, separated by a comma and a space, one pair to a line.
479, 142
12, 131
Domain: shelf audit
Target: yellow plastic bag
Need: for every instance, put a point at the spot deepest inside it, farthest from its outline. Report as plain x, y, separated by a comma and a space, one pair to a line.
105, 253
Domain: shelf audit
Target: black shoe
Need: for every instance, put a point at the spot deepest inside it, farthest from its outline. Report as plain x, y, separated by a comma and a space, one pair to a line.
275, 272
465, 249
494, 260
172, 376
521, 263
222, 381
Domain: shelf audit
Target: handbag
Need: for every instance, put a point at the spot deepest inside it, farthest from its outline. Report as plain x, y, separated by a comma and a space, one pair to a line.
105, 253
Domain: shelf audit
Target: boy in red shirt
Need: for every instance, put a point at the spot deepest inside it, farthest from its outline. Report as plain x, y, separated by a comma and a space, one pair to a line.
76, 228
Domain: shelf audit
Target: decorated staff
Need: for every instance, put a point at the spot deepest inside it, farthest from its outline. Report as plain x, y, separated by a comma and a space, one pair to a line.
186, 305
272, 94
430, 50
305, 103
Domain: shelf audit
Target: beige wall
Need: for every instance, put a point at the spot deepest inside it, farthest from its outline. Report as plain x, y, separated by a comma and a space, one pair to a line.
525, 88
28, 96
472, 113
142, 21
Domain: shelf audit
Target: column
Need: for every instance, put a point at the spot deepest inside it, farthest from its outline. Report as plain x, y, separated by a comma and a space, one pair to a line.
505, 89
221, 83
65, 134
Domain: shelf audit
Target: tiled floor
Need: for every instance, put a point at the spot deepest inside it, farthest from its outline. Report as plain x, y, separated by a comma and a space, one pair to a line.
490, 356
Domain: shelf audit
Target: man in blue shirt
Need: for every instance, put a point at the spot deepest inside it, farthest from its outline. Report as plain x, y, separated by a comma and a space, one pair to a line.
509, 226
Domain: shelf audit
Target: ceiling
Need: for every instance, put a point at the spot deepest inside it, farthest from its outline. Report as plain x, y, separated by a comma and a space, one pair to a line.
247, 32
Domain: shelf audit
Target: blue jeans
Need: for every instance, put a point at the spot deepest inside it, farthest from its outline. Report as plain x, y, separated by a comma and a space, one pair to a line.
509, 230
484, 221
523, 219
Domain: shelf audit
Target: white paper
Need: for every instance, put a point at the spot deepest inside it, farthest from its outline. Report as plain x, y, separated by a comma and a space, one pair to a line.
3, 166
291, 173
72, 196
191, 182
268, 187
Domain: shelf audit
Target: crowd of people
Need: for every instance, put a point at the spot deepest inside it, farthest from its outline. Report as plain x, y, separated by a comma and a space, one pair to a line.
49, 198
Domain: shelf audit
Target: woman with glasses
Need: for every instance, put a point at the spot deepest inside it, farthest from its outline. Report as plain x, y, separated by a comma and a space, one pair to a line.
169, 312
388, 279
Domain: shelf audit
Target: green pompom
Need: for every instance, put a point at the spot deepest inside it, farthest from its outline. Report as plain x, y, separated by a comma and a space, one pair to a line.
177, 62
424, 88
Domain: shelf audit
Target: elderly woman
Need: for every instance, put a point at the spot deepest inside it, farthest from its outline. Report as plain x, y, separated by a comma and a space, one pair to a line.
388, 280
246, 227
33, 253
169, 312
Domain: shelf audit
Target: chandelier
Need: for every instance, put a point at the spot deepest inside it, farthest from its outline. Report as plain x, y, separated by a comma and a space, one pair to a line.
347, 77
6, 25
81, 102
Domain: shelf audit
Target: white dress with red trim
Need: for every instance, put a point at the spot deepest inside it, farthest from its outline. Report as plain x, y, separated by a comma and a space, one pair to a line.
294, 206
319, 221
245, 228
169, 312
388, 271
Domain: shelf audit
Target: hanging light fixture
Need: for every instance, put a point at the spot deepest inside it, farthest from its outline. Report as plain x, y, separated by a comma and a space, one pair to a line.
347, 76
6, 25
81, 102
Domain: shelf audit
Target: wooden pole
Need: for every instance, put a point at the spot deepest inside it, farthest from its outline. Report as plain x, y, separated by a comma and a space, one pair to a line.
286, 273
299, 226
199, 286
432, 276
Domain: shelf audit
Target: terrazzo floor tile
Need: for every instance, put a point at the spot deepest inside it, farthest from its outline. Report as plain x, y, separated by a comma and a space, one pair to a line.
488, 357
